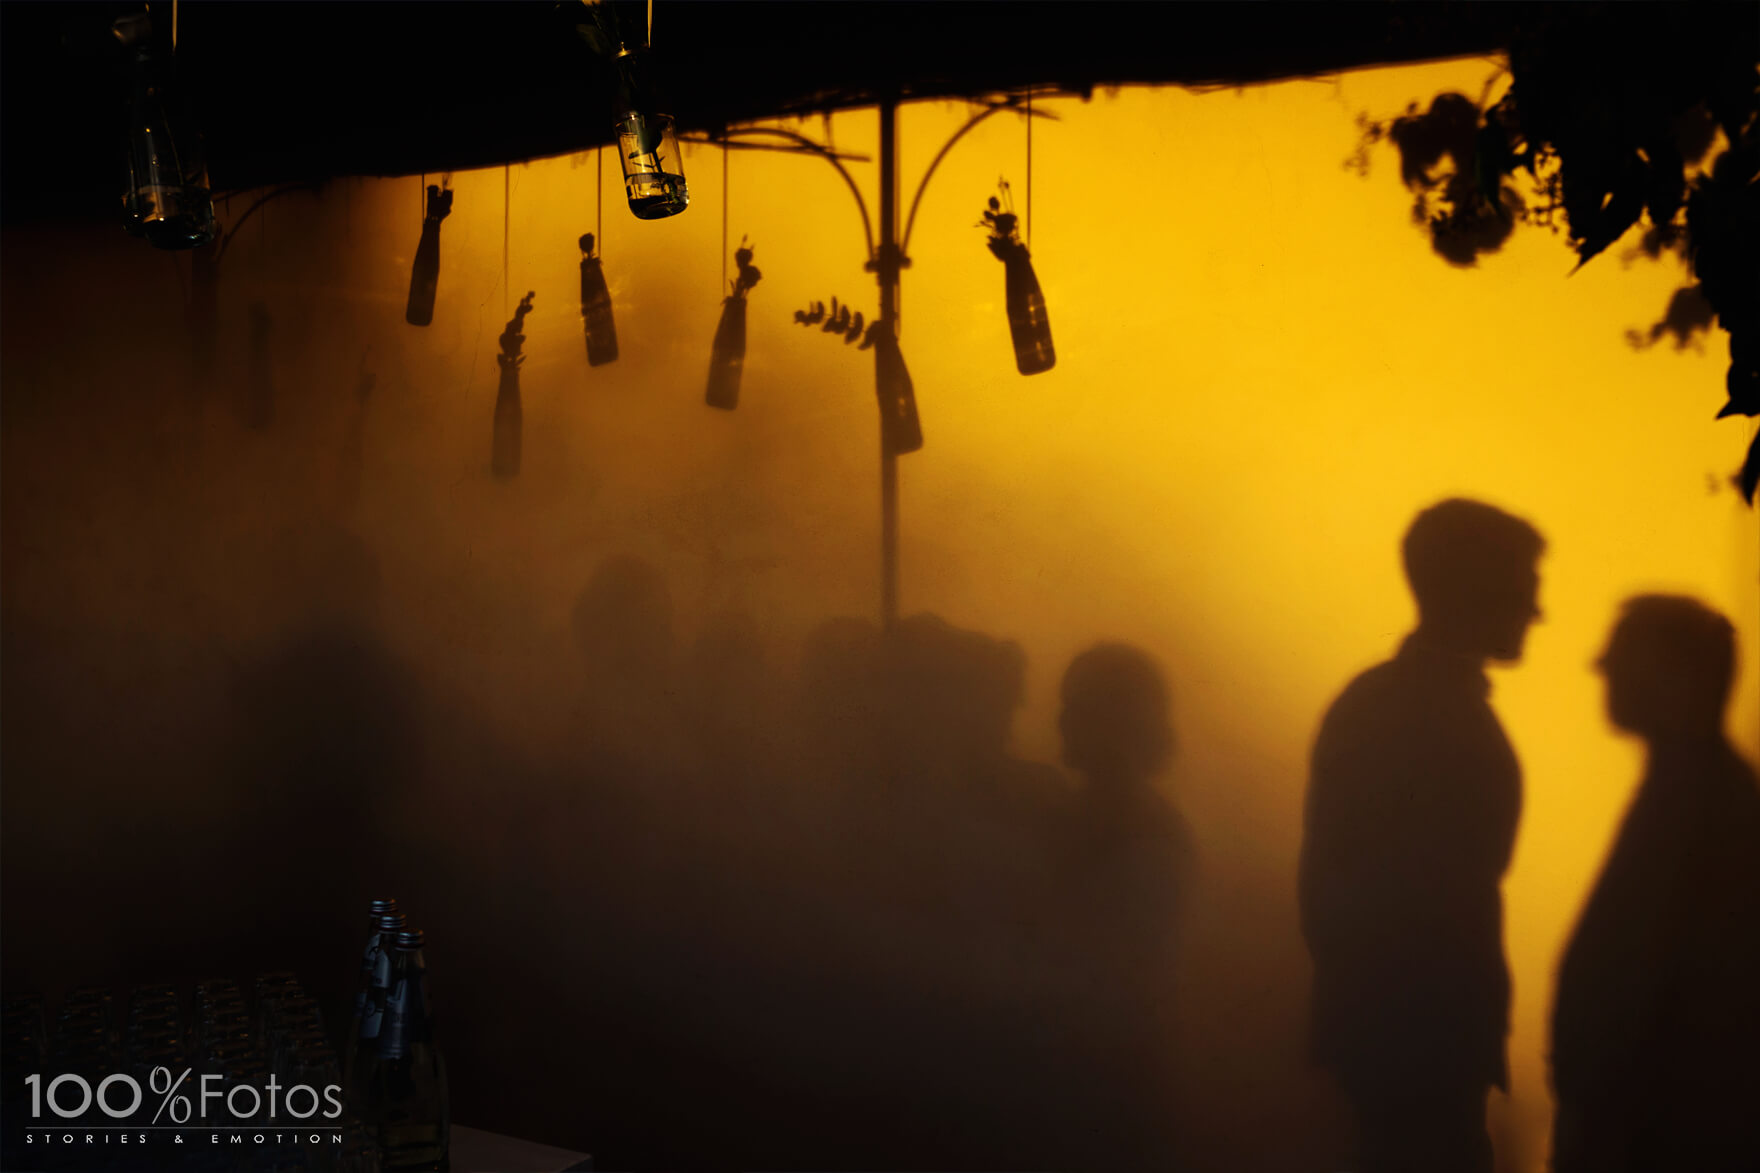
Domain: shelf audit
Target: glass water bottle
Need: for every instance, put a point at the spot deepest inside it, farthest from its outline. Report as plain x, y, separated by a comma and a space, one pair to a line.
383, 924
403, 1098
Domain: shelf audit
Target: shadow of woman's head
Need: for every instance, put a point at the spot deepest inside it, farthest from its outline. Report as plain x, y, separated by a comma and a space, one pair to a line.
623, 623
951, 693
1114, 721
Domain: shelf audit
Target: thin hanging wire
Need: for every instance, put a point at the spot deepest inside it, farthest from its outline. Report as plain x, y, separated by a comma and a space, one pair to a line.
183, 294
724, 153
506, 219
1029, 168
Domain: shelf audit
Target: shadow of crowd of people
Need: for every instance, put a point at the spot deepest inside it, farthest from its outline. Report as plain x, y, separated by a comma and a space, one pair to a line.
881, 938
828, 915
823, 915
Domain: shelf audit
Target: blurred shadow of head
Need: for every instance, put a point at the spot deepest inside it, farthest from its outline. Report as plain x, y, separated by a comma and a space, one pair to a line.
1474, 572
1668, 665
1114, 720
953, 693
729, 649
726, 675
623, 623
317, 573
839, 699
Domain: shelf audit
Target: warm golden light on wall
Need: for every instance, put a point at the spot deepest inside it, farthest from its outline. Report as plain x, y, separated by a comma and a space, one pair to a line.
1261, 378
1261, 375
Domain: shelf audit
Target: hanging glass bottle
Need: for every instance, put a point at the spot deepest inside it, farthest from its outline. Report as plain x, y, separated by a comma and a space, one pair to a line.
1028, 323
596, 317
165, 196
727, 361
424, 275
505, 455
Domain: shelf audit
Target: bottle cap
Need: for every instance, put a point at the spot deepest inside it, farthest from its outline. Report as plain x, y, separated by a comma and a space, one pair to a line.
390, 922
409, 939
381, 907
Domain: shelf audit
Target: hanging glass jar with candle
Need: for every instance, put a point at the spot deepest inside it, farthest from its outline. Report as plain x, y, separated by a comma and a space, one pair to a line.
653, 168
165, 196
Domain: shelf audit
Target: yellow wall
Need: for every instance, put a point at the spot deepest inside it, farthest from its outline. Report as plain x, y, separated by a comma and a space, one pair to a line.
1263, 373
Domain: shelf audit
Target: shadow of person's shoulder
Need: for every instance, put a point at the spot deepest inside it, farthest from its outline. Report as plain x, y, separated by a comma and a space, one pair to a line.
1042, 787
1410, 690
1371, 692
1734, 808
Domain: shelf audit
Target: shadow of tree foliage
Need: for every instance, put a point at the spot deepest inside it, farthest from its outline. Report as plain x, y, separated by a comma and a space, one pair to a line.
1615, 113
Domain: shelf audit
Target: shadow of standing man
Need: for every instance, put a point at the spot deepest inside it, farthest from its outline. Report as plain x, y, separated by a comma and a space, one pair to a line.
1412, 805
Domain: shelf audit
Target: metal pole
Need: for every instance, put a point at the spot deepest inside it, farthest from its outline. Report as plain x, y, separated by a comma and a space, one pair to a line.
887, 270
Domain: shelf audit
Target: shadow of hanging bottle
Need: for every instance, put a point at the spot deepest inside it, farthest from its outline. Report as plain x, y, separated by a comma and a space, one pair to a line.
900, 429
505, 455
257, 410
600, 326
424, 275
1029, 324
351, 469
204, 316
728, 359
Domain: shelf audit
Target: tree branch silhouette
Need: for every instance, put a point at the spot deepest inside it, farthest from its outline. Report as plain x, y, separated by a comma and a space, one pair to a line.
1621, 115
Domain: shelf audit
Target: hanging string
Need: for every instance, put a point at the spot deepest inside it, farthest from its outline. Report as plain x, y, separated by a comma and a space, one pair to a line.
183, 294
506, 219
1029, 167
724, 154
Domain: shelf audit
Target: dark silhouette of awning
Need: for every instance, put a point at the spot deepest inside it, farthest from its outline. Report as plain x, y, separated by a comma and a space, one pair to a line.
300, 92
